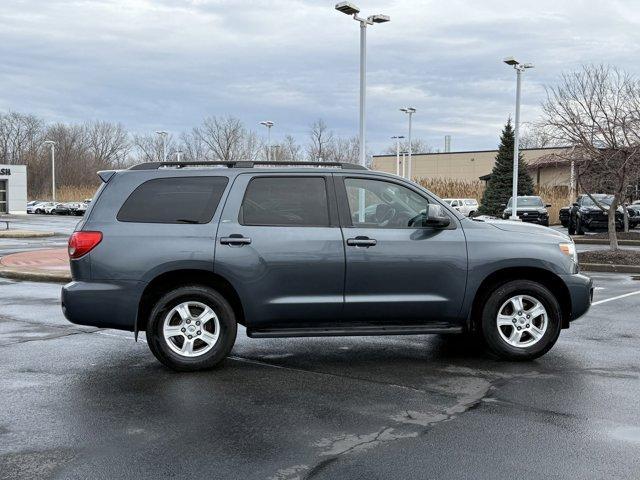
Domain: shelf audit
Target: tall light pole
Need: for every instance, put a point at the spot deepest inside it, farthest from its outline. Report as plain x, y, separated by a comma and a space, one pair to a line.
349, 8
397, 138
179, 155
409, 111
268, 124
53, 167
163, 134
519, 68
404, 162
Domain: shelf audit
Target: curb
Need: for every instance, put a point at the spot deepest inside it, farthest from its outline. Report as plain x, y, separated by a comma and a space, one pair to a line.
24, 234
35, 276
608, 267
602, 241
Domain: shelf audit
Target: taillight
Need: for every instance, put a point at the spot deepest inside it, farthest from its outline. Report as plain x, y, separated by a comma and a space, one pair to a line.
81, 243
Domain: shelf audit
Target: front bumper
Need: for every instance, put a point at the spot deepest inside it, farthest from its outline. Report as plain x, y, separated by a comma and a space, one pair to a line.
580, 292
104, 305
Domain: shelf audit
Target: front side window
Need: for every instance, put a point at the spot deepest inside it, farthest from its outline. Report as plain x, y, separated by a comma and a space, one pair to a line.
380, 204
286, 201
174, 200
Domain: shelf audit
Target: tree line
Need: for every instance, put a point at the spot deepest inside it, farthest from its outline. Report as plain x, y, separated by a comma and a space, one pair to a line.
85, 148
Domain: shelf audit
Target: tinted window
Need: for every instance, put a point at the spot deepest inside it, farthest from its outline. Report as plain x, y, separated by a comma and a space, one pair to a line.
380, 204
174, 200
527, 202
277, 201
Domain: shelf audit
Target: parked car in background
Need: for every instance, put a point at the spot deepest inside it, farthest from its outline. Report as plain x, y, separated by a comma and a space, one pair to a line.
635, 206
564, 214
466, 206
587, 216
78, 208
530, 209
188, 253
62, 209
32, 205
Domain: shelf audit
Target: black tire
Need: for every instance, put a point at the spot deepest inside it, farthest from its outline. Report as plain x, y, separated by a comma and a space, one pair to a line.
39, 211
195, 293
498, 297
545, 223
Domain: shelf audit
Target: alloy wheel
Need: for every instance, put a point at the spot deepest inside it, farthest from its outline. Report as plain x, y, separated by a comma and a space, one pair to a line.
191, 329
522, 321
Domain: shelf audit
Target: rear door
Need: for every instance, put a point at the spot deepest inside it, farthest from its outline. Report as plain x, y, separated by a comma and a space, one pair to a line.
398, 273
280, 245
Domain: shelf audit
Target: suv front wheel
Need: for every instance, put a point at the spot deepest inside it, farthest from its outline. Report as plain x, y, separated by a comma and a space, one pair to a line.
521, 320
191, 328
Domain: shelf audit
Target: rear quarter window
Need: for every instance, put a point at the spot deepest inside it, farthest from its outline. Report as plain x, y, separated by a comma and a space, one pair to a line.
174, 200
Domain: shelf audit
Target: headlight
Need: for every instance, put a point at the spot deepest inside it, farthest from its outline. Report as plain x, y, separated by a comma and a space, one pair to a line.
569, 249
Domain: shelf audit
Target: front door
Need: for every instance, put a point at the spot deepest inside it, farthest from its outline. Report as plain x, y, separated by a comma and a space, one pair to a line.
280, 245
4, 206
396, 272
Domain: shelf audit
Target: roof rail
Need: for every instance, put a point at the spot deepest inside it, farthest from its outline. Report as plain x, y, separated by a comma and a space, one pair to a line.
245, 164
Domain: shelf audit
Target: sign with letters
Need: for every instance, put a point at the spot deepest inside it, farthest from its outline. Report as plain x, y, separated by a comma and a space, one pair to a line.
5, 171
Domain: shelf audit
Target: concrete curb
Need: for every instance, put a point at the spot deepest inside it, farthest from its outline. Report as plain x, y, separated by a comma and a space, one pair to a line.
608, 267
602, 241
25, 234
35, 275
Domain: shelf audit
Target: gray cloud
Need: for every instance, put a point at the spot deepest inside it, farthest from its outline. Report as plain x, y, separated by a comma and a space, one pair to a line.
170, 63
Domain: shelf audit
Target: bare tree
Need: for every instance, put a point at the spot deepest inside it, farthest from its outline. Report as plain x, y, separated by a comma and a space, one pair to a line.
149, 147
290, 150
417, 146
108, 144
223, 137
345, 150
537, 136
597, 111
320, 139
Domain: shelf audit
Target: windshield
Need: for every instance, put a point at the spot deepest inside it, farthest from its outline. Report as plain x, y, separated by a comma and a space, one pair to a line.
602, 199
471, 202
527, 202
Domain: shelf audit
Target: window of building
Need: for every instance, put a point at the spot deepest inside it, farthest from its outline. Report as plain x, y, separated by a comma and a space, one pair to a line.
174, 200
284, 201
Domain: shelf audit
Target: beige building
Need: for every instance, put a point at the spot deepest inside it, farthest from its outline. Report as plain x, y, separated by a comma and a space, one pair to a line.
544, 165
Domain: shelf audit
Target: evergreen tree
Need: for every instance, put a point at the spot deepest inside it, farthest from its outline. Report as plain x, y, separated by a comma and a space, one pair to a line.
499, 187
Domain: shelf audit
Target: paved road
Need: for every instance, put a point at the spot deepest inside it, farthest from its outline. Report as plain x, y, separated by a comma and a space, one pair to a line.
80, 403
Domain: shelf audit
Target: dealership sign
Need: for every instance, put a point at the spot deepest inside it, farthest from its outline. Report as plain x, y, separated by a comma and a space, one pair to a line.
5, 171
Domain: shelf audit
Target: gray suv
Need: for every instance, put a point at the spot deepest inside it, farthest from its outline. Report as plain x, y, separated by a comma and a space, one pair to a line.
187, 251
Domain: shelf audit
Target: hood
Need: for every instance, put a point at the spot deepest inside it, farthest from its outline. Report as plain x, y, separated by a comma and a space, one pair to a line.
527, 228
528, 209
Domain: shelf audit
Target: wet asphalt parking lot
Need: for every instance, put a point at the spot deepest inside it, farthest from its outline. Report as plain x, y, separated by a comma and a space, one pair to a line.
83, 403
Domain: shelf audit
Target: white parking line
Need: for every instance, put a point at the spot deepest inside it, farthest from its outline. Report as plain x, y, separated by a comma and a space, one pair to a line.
637, 292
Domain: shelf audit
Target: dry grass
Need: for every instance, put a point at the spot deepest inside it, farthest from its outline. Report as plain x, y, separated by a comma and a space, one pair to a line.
558, 197
68, 194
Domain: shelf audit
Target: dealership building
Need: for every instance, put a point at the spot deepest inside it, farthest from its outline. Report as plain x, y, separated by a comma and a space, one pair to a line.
13, 189
547, 166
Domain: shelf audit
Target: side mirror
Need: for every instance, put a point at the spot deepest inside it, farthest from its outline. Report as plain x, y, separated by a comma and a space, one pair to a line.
547, 205
435, 217
575, 204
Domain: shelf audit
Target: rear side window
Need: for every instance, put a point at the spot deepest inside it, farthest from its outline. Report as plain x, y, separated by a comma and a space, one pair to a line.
174, 200
284, 201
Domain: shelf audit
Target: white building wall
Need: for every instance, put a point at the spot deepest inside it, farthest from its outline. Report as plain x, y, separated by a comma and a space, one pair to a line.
16, 176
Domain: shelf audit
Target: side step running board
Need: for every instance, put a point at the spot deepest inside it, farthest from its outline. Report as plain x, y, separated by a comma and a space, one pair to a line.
353, 331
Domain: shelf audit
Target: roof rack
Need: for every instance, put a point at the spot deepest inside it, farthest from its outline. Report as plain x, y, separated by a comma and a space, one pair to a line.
245, 164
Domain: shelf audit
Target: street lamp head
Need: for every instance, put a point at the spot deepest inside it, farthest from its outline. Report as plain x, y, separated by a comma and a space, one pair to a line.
408, 110
49, 142
397, 137
511, 61
267, 123
527, 65
162, 132
347, 8
379, 18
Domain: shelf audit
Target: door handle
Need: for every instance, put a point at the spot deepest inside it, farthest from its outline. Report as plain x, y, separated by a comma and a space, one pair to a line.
235, 239
361, 242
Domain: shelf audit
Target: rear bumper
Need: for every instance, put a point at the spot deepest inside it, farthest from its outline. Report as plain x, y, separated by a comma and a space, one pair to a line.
581, 293
104, 305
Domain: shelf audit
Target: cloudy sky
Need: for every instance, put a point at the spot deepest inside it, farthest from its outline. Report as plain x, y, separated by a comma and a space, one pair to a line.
167, 64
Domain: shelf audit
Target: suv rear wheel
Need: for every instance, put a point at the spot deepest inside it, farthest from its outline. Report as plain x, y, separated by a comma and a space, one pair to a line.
521, 320
191, 328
